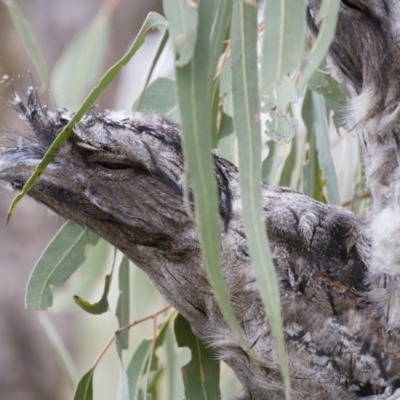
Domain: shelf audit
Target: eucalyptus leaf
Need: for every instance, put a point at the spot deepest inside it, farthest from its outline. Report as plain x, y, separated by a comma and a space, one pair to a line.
311, 174
194, 96
99, 307
84, 390
268, 165
222, 19
324, 149
159, 97
34, 52
284, 39
123, 305
137, 367
289, 166
201, 374
334, 94
79, 66
183, 19
122, 388
323, 83
282, 129
63, 355
226, 126
248, 128
62, 257
327, 19
144, 360
160, 49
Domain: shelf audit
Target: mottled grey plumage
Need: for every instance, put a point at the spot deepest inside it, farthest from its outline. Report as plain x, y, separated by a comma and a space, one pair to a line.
122, 176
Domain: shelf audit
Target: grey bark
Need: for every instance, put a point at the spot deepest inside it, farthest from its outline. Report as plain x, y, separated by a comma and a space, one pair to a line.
122, 177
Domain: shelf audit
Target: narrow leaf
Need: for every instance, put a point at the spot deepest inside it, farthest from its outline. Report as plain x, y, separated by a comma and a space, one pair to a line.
159, 97
122, 388
144, 356
311, 174
63, 355
123, 306
222, 19
282, 127
334, 94
153, 20
323, 83
29, 41
63, 256
290, 164
79, 66
284, 38
137, 367
327, 18
248, 128
226, 126
324, 148
267, 166
194, 94
160, 48
201, 374
84, 390
183, 19
99, 307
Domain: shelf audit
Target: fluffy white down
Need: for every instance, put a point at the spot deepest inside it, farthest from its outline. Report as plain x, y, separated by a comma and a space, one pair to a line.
386, 242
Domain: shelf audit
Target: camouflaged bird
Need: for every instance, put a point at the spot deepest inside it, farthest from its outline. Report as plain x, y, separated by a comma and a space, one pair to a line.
122, 176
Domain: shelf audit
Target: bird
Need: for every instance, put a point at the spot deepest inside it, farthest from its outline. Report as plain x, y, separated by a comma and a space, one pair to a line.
122, 176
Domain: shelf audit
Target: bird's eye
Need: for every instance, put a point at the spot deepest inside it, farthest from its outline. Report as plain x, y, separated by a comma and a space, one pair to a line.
113, 165
351, 4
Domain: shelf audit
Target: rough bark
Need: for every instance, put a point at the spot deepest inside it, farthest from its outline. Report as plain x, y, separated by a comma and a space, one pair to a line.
122, 177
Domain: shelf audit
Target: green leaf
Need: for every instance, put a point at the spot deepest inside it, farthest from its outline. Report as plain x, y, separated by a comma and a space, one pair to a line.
324, 148
311, 174
176, 358
248, 128
153, 20
282, 127
327, 19
268, 165
284, 38
123, 306
159, 97
84, 390
143, 357
290, 165
63, 355
31, 46
102, 305
63, 256
194, 96
183, 18
226, 126
323, 83
334, 94
201, 374
222, 19
123, 387
79, 66
137, 367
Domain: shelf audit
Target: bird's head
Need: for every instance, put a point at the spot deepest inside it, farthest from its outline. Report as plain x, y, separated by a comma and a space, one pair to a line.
119, 175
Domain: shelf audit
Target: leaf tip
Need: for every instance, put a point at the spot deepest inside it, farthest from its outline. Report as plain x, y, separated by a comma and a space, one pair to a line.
8, 218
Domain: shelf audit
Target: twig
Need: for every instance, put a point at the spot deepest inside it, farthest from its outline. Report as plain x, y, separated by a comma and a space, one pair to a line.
123, 328
362, 196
